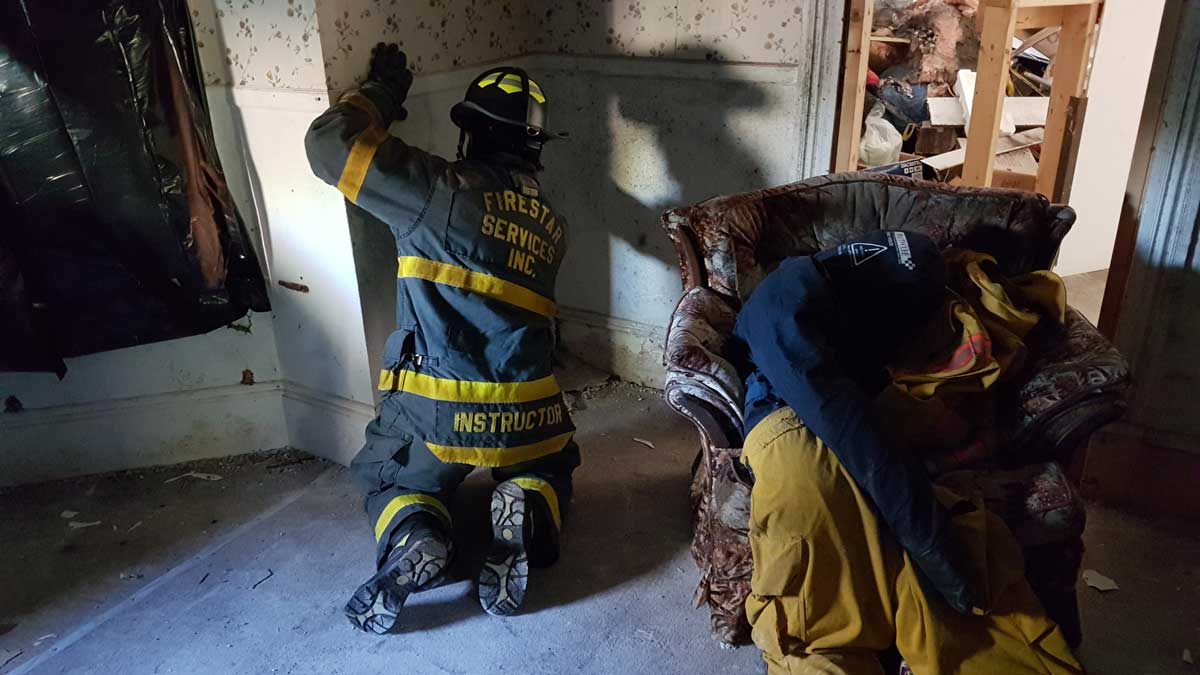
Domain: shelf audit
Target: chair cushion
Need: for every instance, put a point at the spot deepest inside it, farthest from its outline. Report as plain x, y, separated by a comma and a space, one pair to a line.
743, 237
696, 370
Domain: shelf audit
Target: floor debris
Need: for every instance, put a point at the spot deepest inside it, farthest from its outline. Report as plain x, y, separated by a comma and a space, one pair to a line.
1099, 581
645, 442
12, 404
202, 579
47, 636
131, 576
135, 526
6, 656
1187, 657
68, 514
195, 474
270, 573
290, 462
76, 525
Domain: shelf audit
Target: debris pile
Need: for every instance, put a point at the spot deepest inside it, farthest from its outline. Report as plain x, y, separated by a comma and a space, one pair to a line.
921, 81
934, 39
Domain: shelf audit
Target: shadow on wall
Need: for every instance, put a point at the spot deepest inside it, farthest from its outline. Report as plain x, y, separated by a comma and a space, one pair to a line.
639, 145
255, 221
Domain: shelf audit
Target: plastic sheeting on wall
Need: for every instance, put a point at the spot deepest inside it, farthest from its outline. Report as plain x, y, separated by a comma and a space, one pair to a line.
117, 226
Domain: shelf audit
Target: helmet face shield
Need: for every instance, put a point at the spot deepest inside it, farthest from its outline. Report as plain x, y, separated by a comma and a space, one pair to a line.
536, 116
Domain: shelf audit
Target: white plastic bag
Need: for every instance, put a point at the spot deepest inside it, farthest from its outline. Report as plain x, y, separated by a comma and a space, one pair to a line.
880, 142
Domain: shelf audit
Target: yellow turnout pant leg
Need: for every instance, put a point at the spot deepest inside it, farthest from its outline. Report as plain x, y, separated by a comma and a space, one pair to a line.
831, 588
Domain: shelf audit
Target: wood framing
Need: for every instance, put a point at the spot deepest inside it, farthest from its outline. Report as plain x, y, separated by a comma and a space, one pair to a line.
998, 21
854, 84
1070, 80
1039, 17
995, 46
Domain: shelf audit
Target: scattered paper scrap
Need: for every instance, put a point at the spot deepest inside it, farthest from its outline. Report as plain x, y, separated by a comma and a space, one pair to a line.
644, 442
270, 573
1099, 581
76, 525
45, 637
68, 514
1187, 657
7, 655
135, 526
194, 474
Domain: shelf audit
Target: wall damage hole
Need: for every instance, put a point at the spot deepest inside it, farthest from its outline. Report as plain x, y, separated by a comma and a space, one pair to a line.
247, 377
12, 404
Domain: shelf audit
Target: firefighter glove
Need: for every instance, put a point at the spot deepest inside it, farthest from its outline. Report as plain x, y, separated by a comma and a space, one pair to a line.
388, 80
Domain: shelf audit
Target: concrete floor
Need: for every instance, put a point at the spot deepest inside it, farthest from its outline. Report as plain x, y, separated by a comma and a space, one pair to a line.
247, 574
1085, 292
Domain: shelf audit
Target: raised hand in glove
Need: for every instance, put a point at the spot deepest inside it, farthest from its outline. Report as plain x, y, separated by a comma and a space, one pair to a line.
388, 80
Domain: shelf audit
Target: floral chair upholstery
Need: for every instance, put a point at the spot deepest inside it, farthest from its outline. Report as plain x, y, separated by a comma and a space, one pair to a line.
1073, 383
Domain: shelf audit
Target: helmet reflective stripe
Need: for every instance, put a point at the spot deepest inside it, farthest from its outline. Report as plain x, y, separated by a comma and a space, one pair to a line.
511, 84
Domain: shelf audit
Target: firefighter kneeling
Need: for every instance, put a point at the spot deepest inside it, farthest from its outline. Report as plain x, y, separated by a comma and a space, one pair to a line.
467, 378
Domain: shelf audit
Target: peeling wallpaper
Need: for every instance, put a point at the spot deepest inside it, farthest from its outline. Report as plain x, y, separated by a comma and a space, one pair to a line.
438, 35
444, 34
276, 43
259, 43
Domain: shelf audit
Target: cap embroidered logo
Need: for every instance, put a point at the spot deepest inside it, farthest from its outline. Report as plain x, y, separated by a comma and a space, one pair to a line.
903, 252
861, 253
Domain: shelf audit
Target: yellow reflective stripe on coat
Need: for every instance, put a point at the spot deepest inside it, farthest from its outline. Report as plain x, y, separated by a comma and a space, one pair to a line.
399, 503
467, 391
546, 490
365, 104
502, 456
410, 267
359, 161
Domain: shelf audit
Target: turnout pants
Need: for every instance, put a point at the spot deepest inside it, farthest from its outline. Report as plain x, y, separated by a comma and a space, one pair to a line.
400, 476
832, 589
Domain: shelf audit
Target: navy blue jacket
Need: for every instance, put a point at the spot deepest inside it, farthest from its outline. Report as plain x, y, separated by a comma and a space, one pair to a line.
806, 351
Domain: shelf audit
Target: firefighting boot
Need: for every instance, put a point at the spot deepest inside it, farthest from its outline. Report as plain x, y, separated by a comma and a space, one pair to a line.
416, 562
524, 534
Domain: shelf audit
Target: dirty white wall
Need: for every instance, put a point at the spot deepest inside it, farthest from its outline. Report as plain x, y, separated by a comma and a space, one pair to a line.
180, 400
263, 63
1159, 321
1116, 91
154, 404
666, 104
443, 35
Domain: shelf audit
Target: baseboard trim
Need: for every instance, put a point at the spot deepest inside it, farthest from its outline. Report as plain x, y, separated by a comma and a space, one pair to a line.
78, 412
631, 350
1124, 468
115, 435
294, 391
326, 426
74, 440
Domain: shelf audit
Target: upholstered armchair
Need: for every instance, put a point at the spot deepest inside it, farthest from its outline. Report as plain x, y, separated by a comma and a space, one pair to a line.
1073, 383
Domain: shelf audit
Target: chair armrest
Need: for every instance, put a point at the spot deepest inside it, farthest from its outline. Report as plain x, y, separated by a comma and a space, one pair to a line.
701, 384
1076, 383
